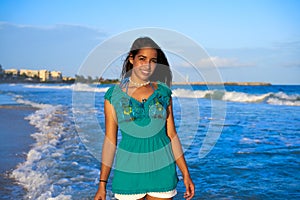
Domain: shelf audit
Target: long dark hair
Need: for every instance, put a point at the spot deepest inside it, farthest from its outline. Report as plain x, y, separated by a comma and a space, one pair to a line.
162, 71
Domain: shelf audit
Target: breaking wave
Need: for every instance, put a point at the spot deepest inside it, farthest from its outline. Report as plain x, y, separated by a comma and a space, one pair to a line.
58, 166
75, 87
279, 98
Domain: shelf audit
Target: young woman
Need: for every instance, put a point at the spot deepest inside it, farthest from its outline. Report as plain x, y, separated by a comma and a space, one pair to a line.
141, 107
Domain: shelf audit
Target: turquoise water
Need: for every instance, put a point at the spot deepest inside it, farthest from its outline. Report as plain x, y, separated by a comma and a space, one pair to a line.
256, 154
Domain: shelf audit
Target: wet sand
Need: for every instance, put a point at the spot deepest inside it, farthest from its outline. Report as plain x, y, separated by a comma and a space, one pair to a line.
15, 142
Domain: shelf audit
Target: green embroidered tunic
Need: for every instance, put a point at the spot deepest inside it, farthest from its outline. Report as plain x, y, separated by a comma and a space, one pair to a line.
144, 160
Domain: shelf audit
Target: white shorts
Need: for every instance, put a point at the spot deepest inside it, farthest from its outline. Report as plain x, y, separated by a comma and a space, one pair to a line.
168, 194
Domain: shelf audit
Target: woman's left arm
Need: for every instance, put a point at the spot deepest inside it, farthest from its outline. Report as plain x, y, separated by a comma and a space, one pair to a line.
178, 154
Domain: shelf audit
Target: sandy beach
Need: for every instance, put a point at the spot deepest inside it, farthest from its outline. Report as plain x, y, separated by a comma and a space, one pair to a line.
15, 142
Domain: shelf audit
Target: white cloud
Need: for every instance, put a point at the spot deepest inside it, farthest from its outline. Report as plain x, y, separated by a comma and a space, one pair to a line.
223, 62
215, 61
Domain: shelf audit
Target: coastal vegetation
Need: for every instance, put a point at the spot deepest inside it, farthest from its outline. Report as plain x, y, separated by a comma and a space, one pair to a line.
91, 80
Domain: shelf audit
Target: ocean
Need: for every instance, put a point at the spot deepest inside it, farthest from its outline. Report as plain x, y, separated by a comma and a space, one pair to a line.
252, 153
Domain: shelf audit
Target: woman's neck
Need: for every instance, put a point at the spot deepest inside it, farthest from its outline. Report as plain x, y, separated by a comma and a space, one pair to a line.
138, 83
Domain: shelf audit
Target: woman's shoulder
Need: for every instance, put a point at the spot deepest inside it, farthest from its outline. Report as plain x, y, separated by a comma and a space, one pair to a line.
111, 90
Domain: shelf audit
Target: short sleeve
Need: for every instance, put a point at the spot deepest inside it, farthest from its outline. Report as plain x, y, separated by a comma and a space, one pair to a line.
109, 93
165, 93
165, 89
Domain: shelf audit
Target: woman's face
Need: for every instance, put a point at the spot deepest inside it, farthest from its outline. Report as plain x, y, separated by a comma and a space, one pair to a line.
144, 63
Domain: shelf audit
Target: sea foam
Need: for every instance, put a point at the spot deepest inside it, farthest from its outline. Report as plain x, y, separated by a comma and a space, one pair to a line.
75, 87
278, 98
58, 164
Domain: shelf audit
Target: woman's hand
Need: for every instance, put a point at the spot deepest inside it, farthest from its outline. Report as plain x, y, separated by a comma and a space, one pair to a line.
190, 188
100, 195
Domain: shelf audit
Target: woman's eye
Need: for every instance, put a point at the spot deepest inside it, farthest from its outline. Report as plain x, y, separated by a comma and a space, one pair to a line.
141, 58
154, 60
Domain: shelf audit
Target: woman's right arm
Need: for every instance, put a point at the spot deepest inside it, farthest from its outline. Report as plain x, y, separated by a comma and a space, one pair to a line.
108, 149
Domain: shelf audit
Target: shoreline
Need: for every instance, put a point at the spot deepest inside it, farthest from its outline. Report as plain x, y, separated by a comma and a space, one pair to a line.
15, 143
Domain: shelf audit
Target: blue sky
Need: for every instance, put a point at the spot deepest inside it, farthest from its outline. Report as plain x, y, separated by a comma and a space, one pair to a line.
249, 40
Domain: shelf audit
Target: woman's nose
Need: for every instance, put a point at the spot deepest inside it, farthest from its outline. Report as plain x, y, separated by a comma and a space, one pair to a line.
146, 63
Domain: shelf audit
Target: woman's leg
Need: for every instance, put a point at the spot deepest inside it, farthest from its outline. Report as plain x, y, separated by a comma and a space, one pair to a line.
148, 197
134, 196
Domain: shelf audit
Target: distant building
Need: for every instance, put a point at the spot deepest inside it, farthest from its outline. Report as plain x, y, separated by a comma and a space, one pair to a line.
68, 79
55, 76
44, 75
52, 76
29, 73
33, 75
12, 72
